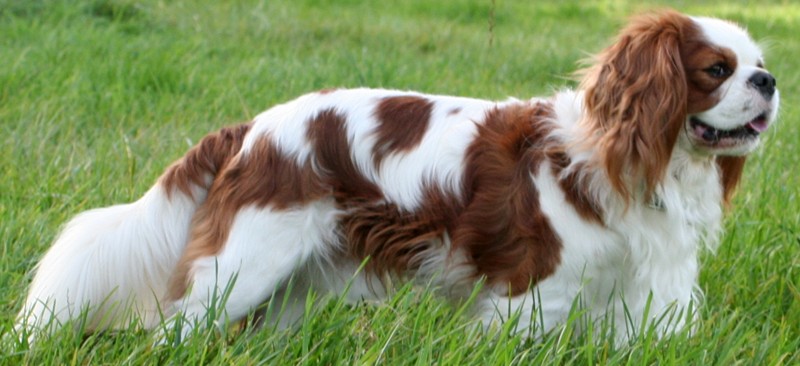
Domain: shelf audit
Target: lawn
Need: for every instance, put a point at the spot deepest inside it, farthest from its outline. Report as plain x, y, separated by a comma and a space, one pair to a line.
98, 97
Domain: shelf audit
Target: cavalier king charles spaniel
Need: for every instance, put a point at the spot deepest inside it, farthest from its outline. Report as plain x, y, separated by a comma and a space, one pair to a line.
599, 197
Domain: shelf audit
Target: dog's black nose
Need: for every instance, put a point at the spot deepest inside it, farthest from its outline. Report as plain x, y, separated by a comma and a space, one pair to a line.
764, 82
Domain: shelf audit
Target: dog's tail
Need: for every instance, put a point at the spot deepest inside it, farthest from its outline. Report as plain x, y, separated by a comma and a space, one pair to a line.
114, 263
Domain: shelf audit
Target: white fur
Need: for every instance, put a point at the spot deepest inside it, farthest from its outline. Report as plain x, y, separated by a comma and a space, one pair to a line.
264, 248
111, 262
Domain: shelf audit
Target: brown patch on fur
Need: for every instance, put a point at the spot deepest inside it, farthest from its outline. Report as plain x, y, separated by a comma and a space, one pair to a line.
454, 111
731, 168
700, 56
403, 122
578, 195
498, 223
336, 168
394, 239
264, 176
637, 98
503, 229
204, 160
576, 189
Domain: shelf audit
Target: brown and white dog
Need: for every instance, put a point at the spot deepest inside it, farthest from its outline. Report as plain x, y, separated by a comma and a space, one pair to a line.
604, 194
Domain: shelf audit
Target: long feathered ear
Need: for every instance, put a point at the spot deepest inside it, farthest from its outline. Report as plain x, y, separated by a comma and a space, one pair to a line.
636, 99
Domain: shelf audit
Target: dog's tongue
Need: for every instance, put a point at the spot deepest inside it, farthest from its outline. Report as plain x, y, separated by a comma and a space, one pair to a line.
759, 125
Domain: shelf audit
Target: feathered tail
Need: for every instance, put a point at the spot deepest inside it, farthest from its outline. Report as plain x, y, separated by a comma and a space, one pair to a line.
115, 262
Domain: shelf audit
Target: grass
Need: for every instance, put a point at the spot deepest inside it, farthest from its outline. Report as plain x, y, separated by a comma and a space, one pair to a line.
97, 97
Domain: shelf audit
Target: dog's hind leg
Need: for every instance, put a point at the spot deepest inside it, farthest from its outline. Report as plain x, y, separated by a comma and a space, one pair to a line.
264, 247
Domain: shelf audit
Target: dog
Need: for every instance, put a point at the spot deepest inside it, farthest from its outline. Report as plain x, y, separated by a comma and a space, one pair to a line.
601, 195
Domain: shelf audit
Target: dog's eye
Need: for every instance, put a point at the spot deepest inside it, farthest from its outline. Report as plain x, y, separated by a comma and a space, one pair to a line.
719, 70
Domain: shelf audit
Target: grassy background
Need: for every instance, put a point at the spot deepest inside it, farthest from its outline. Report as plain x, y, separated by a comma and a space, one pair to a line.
97, 97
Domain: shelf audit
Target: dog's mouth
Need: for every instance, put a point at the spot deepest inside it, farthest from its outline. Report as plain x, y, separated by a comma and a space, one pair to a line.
715, 137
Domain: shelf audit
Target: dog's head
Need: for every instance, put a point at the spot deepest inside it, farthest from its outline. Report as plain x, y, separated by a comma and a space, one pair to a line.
732, 97
677, 82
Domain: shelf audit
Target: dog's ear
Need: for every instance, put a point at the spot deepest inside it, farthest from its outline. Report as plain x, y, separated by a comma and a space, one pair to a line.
636, 100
